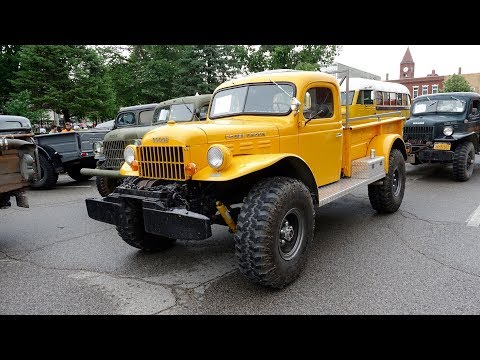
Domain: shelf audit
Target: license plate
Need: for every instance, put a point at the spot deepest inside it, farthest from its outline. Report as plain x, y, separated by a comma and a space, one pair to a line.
441, 146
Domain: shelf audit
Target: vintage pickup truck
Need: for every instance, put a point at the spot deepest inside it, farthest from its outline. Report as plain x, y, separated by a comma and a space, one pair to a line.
274, 147
18, 159
65, 152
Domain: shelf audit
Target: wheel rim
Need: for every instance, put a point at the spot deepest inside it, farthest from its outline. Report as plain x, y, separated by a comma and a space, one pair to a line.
396, 185
470, 161
291, 234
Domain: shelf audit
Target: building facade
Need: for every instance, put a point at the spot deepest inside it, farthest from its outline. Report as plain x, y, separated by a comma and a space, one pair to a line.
430, 84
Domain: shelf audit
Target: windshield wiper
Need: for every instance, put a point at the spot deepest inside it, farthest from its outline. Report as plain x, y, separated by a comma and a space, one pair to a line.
191, 112
454, 98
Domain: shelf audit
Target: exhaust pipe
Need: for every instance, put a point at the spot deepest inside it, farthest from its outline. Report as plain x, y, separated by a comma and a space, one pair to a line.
6, 144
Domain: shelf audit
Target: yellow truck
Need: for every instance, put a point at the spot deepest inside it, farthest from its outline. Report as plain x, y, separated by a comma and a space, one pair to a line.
274, 147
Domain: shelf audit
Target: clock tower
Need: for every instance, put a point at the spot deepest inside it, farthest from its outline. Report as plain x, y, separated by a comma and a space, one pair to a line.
407, 66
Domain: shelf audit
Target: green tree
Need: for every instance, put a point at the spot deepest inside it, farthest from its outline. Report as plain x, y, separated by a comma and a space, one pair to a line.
456, 83
21, 105
70, 79
8, 66
300, 57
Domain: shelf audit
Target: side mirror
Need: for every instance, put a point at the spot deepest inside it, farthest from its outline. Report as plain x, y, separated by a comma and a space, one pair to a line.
295, 105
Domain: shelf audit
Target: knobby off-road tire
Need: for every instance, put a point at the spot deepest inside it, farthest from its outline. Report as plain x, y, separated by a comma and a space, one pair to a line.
75, 174
48, 175
275, 225
387, 197
134, 232
106, 185
463, 161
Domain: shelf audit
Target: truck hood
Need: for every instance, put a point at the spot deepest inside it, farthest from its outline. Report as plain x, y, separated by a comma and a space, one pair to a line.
209, 132
129, 133
432, 120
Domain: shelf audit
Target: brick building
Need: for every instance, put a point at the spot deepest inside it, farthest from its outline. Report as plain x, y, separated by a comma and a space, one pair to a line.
430, 84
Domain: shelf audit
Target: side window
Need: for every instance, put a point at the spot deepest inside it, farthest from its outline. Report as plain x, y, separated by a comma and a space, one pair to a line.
474, 111
126, 119
320, 100
365, 97
145, 117
379, 97
203, 112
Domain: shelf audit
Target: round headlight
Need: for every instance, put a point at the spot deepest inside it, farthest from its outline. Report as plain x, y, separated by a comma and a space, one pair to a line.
98, 147
215, 157
129, 155
447, 130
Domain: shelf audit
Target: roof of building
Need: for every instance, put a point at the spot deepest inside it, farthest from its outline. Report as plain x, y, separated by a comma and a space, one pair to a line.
407, 58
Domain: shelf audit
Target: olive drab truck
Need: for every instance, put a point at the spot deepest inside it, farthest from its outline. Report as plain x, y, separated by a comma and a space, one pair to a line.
109, 151
19, 162
274, 147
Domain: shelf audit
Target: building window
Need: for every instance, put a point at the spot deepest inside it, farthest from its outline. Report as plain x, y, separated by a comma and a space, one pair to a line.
424, 89
415, 91
434, 89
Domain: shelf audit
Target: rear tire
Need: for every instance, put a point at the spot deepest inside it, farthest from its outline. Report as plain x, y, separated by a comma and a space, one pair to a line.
48, 175
134, 233
387, 197
106, 185
463, 161
275, 225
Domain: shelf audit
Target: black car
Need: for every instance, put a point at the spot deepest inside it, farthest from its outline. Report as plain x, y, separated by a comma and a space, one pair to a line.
444, 128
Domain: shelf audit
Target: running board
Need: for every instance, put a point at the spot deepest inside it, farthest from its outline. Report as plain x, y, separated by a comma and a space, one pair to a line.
364, 171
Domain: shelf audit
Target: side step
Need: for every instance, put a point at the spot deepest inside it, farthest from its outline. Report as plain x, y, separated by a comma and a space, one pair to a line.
364, 171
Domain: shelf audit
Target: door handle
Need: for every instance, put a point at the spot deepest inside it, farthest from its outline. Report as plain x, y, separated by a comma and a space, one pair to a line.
339, 134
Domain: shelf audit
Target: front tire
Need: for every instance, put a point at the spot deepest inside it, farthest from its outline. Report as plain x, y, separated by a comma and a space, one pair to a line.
463, 161
48, 175
275, 225
106, 185
134, 233
387, 197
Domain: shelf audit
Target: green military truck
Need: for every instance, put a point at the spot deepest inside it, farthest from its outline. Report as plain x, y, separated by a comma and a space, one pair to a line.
444, 128
128, 131
19, 162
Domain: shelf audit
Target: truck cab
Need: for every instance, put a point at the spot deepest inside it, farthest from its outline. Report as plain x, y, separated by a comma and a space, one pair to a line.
273, 147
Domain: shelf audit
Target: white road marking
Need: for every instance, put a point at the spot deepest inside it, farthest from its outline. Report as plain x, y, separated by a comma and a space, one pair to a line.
474, 218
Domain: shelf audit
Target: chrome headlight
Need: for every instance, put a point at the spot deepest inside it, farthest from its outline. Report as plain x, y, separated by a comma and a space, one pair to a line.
447, 130
98, 147
215, 157
129, 155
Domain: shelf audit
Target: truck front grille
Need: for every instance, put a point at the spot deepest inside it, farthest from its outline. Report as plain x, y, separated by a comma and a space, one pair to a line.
418, 134
161, 162
113, 151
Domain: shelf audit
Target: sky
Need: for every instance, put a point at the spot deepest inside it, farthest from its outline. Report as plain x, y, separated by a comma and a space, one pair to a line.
383, 59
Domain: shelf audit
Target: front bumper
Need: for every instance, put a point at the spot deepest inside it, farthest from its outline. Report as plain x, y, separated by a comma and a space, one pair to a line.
176, 223
437, 156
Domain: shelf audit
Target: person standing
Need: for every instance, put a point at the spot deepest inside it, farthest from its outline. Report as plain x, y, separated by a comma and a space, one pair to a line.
68, 127
53, 129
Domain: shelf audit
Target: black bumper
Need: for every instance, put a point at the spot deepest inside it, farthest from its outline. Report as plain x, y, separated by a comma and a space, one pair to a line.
439, 156
172, 223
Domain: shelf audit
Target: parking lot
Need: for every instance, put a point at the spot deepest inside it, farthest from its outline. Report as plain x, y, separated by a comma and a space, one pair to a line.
422, 259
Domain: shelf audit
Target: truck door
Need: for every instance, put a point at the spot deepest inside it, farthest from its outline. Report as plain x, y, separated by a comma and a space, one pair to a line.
321, 137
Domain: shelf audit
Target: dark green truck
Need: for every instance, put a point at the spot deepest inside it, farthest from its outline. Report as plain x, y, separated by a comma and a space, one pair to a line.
444, 128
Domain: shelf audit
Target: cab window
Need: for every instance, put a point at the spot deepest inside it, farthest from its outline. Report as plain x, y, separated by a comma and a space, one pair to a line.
127, 118
320, 103
145, 117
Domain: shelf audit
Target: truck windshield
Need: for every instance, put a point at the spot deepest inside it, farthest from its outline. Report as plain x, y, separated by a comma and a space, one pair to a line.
177, 112
438, 105
253, 99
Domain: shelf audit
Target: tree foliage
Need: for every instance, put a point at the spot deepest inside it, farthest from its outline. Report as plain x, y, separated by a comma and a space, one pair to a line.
21, 105
70, 79
8, 66
456, 83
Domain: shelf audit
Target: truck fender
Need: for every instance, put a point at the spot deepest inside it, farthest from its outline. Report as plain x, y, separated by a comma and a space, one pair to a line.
51, 155
472, 137
383, 145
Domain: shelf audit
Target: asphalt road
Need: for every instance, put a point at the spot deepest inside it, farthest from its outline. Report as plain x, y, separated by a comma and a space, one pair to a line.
423, 259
